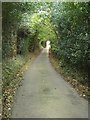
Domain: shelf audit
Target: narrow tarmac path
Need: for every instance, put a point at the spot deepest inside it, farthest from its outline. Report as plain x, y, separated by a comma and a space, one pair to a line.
44, 94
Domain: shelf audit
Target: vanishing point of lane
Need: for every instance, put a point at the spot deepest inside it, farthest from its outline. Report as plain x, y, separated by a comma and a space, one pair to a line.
44, 94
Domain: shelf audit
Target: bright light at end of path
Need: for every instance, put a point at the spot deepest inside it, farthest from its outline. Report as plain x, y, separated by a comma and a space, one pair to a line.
48, 46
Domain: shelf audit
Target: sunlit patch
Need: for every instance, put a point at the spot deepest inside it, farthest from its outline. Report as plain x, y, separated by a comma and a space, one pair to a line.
48, 46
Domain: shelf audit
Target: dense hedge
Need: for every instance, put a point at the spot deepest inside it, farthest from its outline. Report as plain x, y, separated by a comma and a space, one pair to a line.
17, 37
71, 21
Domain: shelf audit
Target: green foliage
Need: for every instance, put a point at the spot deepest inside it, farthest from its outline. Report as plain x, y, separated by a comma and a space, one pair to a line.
71, 21
13, 16
10, 69
64, 24
27, 24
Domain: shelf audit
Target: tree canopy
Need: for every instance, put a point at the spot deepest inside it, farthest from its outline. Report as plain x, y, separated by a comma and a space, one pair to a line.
65, 24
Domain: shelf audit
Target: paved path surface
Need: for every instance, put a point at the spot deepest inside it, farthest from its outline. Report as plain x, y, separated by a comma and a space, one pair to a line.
44, 94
